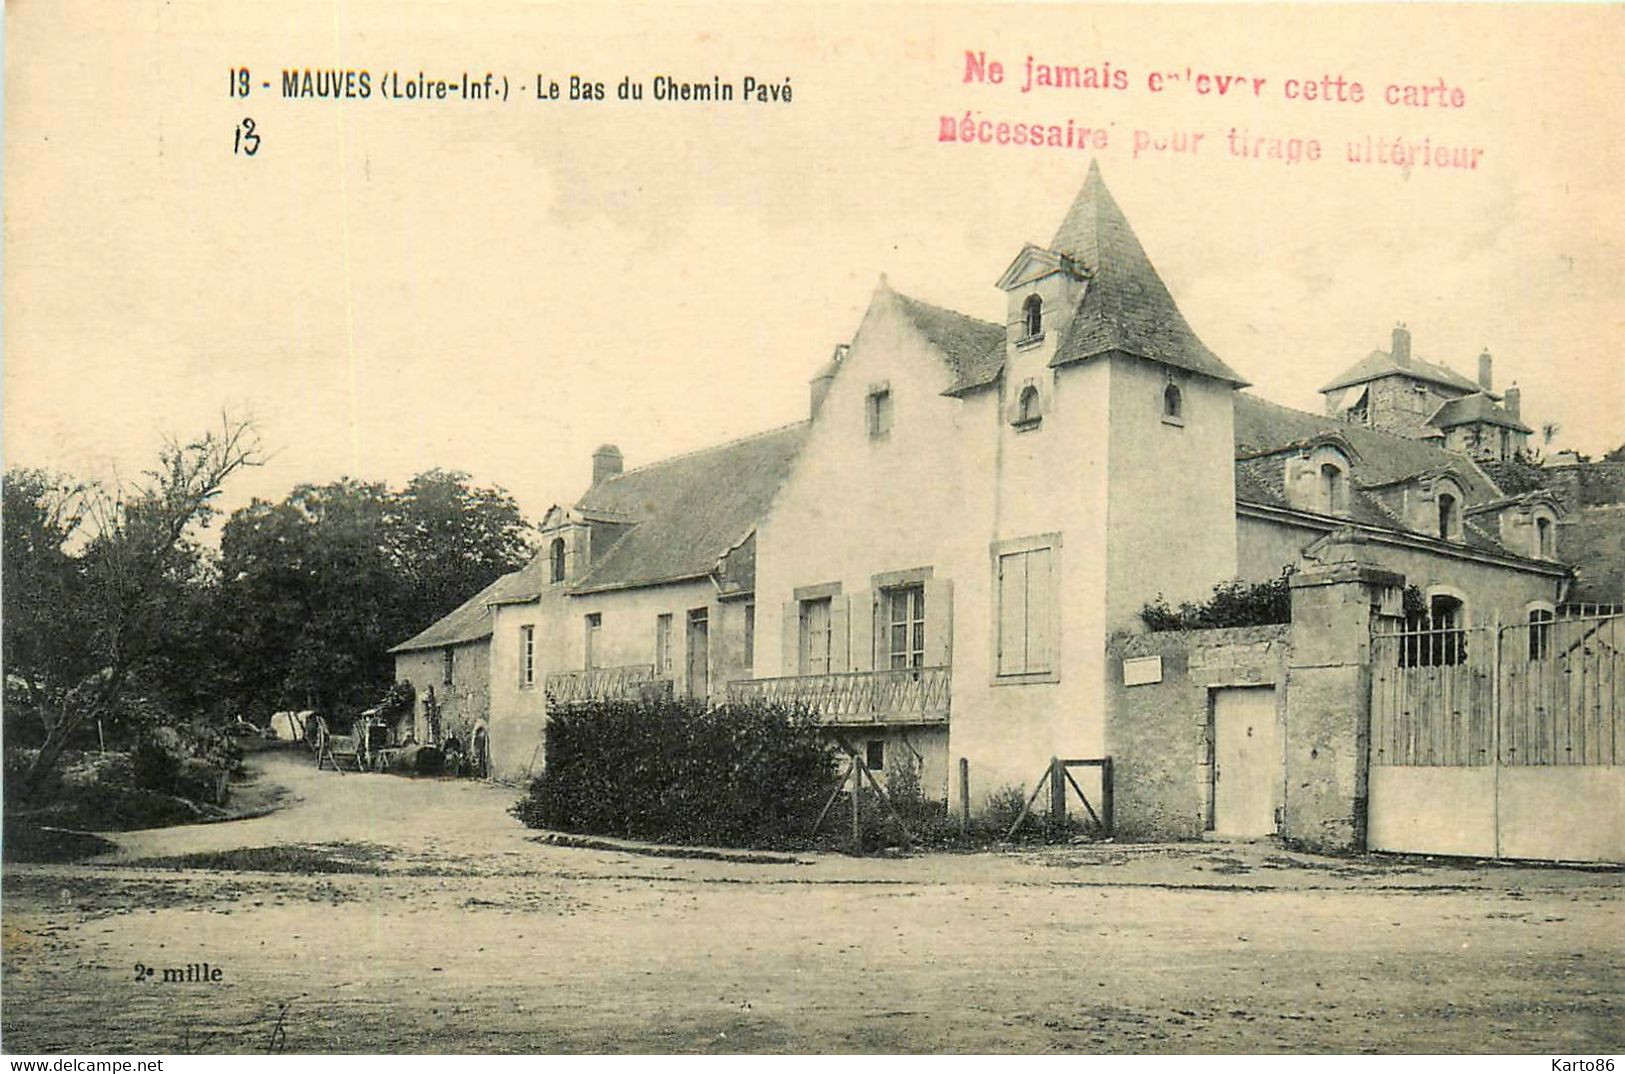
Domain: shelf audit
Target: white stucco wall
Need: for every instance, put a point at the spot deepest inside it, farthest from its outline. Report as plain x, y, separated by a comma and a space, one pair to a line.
951, 479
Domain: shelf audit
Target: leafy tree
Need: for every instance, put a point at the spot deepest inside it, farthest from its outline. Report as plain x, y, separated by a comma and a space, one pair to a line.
316, 588
131, 578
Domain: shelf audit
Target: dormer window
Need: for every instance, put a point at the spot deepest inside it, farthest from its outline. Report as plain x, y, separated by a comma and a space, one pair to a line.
1032, 317
1333, 489
1545, 538
1173, 405
1449, 516
556, 560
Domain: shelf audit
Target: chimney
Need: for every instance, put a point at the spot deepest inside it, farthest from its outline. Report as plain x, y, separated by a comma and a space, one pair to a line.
1484, 380
826, 376
606, 462
1514, 399
1401, 352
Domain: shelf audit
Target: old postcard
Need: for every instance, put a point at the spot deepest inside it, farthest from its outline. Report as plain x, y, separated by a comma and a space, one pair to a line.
813, 528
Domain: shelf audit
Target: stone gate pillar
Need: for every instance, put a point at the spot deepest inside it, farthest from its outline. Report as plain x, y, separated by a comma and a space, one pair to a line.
1328, 700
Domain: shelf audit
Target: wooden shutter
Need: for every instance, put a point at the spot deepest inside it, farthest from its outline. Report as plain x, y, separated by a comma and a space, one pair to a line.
790, 653
939, 622
840, 658
1041, 610
861, 630
1012, 596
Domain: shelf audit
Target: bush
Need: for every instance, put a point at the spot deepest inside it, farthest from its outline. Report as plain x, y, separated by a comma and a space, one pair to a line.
1233, 604
675, 771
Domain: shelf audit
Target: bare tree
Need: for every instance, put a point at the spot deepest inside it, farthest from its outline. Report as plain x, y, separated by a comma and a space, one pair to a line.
138, 558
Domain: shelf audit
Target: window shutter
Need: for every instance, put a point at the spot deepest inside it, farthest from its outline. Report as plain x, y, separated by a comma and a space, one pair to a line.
1041, 610
790, 654
939, 622
839, 633
1012, 579
861, 631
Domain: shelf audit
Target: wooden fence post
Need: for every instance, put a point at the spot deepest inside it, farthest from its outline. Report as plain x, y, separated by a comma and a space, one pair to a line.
1107, 817
1057, 795
857, 792
964, 795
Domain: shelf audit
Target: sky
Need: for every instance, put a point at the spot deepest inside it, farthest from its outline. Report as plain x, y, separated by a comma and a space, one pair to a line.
498, 287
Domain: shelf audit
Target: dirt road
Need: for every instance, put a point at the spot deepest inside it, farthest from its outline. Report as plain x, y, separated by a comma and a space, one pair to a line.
441, 924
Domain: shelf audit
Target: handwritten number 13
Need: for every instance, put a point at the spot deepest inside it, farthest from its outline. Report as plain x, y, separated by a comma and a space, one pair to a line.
246, 140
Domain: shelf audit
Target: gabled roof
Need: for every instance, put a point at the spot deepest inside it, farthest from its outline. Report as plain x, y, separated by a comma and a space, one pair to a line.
688, 511
974, 348
1126, 307
1385, 458
1473, 409
1380, 364
469, 621
1265, 433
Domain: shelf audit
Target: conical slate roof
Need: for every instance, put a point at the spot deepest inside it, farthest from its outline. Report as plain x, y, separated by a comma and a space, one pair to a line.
1126, 306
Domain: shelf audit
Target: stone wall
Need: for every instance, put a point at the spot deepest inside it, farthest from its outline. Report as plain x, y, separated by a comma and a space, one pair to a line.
1158, 733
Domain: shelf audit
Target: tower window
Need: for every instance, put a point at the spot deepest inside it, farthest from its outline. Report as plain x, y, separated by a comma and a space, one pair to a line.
1029, 408
1173, 405
556, 560
1032, 317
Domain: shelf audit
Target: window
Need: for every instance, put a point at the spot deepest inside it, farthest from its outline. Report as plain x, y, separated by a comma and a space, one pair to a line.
1173, 405
1540, 633
1024, 584
527, 655
815, 636
448, 665
1333, 491
1438, 637
904, 611
880, 412
1032, 317
874, 755
595, 624
556, 559
699, 653
1448, 521
1029, 409
1506, 444
1545, 538
663, 644
750, 637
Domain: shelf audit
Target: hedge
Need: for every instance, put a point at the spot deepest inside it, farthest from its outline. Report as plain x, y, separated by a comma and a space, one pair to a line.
677, 771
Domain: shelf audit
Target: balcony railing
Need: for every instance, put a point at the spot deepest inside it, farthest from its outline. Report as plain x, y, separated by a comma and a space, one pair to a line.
909, 695
626, 683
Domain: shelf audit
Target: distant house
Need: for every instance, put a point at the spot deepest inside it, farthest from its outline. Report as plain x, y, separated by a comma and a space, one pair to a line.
938, 557
1398, 392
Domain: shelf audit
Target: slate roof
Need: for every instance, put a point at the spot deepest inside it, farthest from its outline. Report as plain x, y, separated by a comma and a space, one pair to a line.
688, 511
973, 347
469, 621
1380, 363
1126, 306
1469, 409
1266, 432
1385, 458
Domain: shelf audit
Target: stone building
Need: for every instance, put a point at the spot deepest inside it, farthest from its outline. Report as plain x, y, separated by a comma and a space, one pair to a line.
941, 556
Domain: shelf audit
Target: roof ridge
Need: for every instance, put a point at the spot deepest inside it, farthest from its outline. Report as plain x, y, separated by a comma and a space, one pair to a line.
697, 451
945, 309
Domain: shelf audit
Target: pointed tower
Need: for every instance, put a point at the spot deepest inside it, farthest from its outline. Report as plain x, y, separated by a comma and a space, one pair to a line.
1112, 332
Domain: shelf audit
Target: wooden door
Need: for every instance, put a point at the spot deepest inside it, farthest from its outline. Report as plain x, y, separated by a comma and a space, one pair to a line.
1246, 762
699, 653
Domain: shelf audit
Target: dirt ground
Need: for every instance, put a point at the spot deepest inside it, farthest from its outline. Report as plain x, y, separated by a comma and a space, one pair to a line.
443, 925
